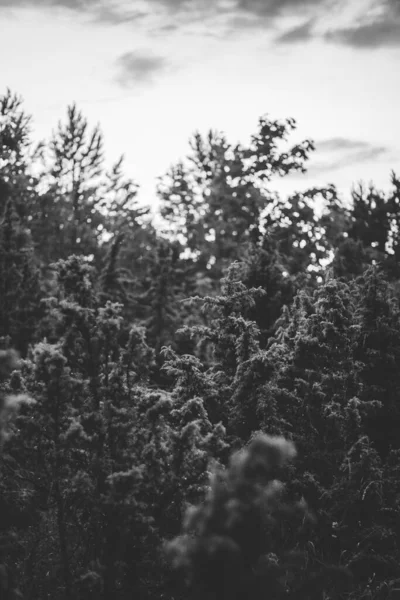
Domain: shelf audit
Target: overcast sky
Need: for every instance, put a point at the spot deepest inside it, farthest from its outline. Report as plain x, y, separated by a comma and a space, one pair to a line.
153, 71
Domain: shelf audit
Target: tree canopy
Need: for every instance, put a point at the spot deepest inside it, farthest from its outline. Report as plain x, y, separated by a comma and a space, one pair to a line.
204, 405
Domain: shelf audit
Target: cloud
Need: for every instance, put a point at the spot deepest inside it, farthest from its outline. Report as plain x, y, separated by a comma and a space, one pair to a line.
379, 30
118, 11
274, 8
70, 4
168, 28
335, 165
271, 7
262, 14
375, 28
338, 144
342, 152
138, 67
382, 33
301, 33
112, 12
111, 16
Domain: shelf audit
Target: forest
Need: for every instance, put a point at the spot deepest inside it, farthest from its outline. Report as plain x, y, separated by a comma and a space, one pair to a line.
204, 405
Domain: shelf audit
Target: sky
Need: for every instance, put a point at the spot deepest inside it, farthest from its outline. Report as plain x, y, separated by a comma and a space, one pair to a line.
152, 72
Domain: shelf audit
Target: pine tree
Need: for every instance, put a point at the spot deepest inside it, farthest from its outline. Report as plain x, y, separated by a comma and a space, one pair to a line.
13, 513
17, 155
377, 349
319, 393
83, 203
115, 460
229, 347
77, 439
235, 544
115, 282
166, 280
119, 202
77, 156
20, 309
263, 267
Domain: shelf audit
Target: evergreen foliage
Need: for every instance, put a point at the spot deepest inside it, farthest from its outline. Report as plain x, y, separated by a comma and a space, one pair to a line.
166, 376
236, 545
19, 282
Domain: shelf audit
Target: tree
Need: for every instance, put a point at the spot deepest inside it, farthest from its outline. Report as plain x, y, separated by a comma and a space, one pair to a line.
20, 310
322, 394
77, 164
371, 231
264, 267
109, 459
17, 155
13, 506
83, 204
305, 240
233, 545
165, 281
215, 201
114, 280
377, 349
228, 344
77, 440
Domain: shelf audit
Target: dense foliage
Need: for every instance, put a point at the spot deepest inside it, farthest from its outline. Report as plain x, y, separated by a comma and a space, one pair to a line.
156, 383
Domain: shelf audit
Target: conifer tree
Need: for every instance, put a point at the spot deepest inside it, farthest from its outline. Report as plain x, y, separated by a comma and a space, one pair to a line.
77, 440
119, 202
20, 310
377, 349
229, 347
264, 267
165, 281
235, 545
115, 460
13, 506
320, 396
84, 202
17, 154
300, 339
116, 282
77, 162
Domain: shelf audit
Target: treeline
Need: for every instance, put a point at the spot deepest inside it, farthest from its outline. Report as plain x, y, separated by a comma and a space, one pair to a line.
134, 360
